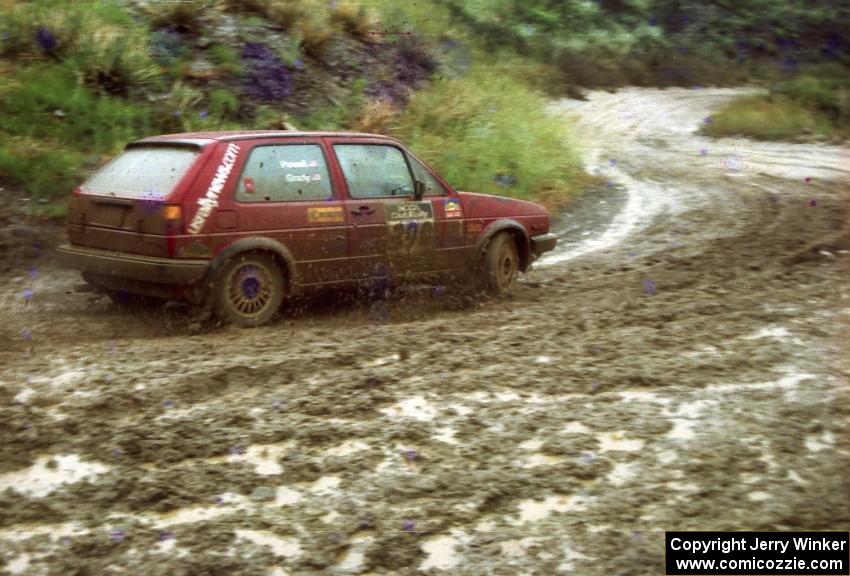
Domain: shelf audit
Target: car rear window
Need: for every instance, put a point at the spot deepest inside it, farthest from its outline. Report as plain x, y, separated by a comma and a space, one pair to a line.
142, 171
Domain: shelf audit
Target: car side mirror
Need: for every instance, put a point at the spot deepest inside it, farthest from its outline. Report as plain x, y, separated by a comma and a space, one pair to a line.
418, 190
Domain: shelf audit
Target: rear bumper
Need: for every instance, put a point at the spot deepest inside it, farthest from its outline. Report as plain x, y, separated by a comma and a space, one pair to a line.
132, 266
542, 243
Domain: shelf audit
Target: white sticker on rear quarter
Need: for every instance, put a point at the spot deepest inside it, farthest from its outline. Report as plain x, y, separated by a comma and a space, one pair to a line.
210, 199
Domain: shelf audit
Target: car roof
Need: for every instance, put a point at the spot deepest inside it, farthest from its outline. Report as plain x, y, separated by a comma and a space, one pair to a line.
202, 138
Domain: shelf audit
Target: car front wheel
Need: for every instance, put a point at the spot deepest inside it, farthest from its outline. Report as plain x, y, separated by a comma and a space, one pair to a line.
248, 290
500, 265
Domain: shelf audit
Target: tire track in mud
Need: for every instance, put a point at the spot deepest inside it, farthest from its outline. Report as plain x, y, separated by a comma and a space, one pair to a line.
666, 371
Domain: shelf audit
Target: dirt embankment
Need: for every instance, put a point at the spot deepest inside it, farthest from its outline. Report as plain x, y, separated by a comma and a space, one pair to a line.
667, 368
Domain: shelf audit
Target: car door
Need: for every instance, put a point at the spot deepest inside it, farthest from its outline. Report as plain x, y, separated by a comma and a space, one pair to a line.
392, 233
450, 249
285, 192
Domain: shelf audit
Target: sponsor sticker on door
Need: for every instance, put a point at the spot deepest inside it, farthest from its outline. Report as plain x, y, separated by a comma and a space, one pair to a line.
404, 211
325, 214
452, 208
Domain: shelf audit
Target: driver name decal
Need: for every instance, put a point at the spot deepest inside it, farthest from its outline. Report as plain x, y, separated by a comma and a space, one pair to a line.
210, 199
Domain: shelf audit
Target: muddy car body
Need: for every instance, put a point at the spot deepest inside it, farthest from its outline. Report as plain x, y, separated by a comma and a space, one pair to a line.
242, 219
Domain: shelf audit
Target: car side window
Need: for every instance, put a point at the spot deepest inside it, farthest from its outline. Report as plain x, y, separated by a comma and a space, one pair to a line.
432, 187
374, 170
284, 173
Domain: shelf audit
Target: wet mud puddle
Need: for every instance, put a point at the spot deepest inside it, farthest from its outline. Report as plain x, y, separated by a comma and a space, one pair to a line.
664, 369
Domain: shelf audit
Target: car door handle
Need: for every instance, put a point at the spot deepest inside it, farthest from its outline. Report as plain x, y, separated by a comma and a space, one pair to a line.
363, 210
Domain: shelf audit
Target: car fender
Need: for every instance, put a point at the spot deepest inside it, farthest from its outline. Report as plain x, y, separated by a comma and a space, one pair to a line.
505, 225
280, 252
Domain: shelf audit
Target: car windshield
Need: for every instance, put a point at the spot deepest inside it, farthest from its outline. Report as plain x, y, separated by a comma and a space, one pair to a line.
143, 170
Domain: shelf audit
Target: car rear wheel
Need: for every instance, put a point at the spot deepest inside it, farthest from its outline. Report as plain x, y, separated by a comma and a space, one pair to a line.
249, 290
500, 265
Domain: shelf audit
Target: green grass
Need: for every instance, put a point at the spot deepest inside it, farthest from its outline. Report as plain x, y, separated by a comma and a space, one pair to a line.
43, 168
226, 59
47, 101
802, 108
488, 127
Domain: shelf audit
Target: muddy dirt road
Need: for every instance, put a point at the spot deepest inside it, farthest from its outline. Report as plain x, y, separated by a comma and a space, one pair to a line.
669, 367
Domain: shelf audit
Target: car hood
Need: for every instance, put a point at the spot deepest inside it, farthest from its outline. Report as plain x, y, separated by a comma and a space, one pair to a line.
487, 205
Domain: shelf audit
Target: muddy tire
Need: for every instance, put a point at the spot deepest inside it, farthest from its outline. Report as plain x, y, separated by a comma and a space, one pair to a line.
248, 290
499, 265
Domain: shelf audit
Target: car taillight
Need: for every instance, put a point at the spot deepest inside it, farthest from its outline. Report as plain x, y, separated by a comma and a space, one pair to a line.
172, 213
172, 216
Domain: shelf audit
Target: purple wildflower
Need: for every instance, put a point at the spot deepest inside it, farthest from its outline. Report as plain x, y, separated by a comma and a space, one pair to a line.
45, 40
267, 78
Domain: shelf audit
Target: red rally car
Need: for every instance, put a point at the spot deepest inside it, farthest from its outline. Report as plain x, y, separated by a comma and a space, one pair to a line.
240, 220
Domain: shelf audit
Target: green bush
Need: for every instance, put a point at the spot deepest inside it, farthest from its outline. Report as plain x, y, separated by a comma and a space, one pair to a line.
185, 16
339, 115
222, 104
488, 132
226, 59
768, 118
43, 168
830, 95
816, 103
48, 101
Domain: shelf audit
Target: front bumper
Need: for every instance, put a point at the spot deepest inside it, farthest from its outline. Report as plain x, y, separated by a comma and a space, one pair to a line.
132, 266
542, 243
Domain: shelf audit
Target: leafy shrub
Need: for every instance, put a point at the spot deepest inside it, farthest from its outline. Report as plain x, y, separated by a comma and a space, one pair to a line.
338, 116
226, 59
286, 13
223, 104
487, 132
377, 117
184, 16
260, 7
768, 118
179, 111
830, 95
42, 167
316, 33
166, 46
354, 19
47, 101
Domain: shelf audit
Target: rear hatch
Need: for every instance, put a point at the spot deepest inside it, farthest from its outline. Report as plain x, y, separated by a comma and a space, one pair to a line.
132, 203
